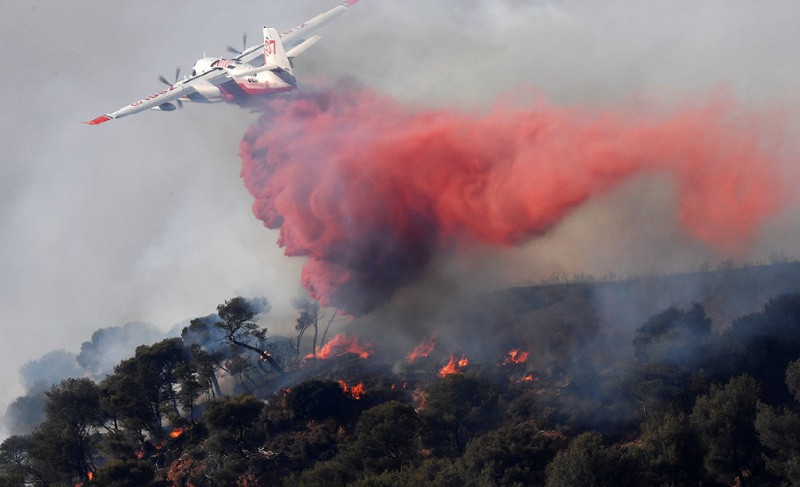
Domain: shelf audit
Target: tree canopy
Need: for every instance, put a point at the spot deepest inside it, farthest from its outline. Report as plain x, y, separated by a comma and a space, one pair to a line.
680, 410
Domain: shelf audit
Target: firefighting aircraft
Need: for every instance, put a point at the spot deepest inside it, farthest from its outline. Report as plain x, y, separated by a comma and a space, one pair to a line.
256, 71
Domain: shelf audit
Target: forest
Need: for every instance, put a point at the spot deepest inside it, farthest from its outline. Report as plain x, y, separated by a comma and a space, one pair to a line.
532, 387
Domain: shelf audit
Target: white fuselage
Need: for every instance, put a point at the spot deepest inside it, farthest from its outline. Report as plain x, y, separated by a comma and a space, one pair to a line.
248, 81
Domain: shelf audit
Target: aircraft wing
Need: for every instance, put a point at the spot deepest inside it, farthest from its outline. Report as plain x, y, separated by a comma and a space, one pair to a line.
214, 77
297, 36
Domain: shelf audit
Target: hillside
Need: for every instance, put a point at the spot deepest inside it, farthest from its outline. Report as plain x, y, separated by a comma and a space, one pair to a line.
607, 383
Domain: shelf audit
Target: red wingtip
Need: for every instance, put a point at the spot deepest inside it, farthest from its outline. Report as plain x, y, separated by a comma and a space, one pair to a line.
99, 120
350, 3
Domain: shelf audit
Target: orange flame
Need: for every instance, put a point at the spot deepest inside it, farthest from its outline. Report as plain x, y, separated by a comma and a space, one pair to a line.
515, 357
176, 433
454, 367
341, 345
423, 349
356, 392
527, 378
90, 475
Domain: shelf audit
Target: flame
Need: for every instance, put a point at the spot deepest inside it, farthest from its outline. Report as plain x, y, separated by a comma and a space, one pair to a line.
356, 392
423, 349
341, 345
515, 357
527, 378
139, 454
176, 432
453, 366
90, 475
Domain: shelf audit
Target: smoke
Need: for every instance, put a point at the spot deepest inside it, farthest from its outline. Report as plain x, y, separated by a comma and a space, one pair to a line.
51, 368
161, 229
371, 189
97, 358
37, 376
109, 346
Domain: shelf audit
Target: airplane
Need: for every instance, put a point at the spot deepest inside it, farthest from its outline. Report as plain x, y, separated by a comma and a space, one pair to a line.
259, 70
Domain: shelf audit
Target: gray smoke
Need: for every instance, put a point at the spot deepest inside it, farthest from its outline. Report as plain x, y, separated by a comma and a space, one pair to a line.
145, 219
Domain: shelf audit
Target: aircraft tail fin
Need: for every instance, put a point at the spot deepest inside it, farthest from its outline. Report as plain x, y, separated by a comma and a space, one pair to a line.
274, 53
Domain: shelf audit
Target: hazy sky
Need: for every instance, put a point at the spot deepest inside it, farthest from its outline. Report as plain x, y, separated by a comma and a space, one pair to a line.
146, 218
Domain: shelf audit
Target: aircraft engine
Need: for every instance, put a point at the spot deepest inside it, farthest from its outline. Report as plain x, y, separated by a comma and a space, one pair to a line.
167, 107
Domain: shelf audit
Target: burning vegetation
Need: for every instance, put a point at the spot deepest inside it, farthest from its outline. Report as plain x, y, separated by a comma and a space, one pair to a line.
514, 406
340, 345
515, 357
176, 432
356, 392
454, 366
524, 413
422, 350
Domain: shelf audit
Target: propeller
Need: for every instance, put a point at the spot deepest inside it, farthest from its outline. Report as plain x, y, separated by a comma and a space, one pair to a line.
244, 45
164, 80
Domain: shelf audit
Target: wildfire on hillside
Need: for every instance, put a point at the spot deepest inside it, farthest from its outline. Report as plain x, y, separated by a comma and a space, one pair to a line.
454, 366
515, 356
340, 345
424, 349
356, 392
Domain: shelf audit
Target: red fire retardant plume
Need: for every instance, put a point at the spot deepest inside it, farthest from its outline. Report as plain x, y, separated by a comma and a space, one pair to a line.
370, 189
